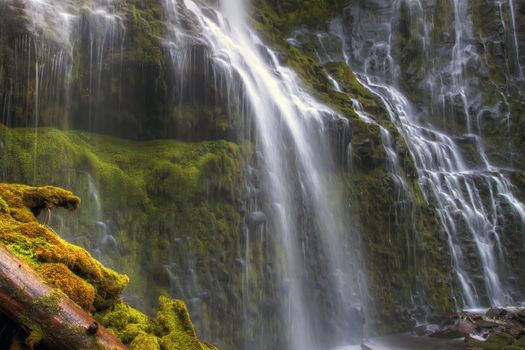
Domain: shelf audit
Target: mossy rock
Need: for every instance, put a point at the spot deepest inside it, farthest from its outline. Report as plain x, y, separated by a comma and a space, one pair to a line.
145, 341
76, 275
172, 329
162, 202
497, 341
287, 14
67, 267
173, 322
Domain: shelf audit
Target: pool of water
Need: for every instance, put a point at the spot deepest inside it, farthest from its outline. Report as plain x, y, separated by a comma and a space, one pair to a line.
407, 342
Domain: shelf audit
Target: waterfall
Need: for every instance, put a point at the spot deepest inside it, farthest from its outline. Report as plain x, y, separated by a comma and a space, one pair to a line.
221, 178
470, 199
293, 156
518, 69
58, 33
56, 36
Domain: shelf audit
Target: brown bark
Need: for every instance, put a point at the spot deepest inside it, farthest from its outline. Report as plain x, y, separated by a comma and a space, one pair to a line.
46, 313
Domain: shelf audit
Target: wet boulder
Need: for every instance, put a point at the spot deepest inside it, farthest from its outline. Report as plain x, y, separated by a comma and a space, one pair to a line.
425, 330
256, 218
521, 315
496, 313
449, 332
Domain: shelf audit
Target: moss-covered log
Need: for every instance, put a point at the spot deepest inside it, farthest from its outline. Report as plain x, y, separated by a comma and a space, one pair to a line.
50, 288
50, 315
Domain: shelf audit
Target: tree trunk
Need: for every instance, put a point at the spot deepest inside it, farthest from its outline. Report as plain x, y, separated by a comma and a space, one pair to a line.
48, 314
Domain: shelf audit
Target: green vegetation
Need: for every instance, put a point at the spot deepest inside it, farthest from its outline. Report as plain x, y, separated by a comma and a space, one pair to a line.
289, 13
157, 202
62, 264
77, 275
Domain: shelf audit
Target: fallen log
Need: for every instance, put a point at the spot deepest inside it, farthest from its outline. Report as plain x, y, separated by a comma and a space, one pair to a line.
49, 315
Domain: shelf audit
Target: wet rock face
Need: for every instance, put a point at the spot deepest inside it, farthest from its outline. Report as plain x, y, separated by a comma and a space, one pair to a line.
461, 66
107, 68
416, 44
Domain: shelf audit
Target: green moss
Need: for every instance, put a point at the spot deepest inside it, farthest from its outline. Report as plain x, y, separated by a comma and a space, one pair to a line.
145, 30
172, 328
174, 317
23, 249
75, 274
173, 322
50, 304
66, 266
290, 13
145, 341
4, 207
154, 193
123, 320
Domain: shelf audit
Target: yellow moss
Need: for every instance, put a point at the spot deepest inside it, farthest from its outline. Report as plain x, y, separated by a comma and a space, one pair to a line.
4, 207
37, 244
171, 330
174, 316
173, 320
36, 199
12, 194
133, 330
77, 275
50, 197
125, 321
34, 338
22, 215
177, 340
145, 342
78, 290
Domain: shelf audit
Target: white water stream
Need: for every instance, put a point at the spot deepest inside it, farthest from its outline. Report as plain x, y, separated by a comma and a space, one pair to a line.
470, 200
295, 162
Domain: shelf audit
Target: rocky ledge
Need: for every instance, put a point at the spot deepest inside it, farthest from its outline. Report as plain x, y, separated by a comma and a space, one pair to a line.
495, 329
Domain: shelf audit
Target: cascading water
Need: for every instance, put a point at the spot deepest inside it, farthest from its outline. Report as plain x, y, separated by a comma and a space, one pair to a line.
517, 67
470, 199
57, 35
273, 261
294, 164
58, 32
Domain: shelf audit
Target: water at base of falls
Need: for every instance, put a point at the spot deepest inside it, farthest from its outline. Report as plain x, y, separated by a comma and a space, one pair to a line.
407, 342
